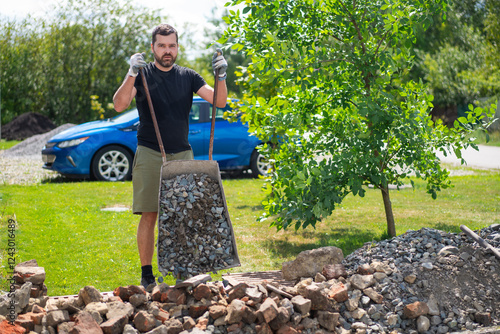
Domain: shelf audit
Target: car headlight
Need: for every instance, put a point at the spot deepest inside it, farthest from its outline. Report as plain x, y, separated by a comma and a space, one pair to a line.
73, 142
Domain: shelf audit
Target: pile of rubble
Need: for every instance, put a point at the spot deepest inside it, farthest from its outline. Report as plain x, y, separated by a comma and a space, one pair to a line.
414, 283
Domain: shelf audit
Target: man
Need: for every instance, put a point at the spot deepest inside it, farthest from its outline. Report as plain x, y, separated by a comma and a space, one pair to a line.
171, 88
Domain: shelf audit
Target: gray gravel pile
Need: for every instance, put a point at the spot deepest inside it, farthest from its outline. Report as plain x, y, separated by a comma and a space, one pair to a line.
457, 279
32, 146
23, 170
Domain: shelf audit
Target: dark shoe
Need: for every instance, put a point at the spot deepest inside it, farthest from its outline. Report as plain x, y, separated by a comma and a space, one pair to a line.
148, 283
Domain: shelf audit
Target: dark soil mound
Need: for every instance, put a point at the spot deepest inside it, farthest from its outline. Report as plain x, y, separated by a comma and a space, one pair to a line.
26, 125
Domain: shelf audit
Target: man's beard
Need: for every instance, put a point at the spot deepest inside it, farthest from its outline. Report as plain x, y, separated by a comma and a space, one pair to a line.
165, 62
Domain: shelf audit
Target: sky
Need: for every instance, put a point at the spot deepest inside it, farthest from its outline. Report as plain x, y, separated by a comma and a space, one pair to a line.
193, 12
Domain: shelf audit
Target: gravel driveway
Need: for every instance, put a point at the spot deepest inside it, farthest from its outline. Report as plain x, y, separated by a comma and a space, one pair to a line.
23, 170
22, 164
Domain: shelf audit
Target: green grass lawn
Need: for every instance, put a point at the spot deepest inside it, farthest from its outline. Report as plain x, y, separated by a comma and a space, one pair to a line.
62, 226
5, 145
493, 138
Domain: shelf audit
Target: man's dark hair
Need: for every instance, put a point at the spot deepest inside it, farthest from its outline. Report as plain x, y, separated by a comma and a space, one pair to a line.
164, 30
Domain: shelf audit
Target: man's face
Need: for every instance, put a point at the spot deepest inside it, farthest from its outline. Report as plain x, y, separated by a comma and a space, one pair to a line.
165, 50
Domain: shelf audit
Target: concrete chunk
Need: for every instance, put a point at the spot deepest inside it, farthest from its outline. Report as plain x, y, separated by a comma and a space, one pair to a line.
115, 325
269, 310
310, 262
301, 304
54, 318
89, 294
35, 275
144, 321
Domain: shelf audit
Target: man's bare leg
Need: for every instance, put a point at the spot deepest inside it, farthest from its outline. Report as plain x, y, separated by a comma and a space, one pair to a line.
145, 244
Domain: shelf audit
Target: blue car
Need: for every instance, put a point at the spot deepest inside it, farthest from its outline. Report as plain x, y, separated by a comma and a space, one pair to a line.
104, 150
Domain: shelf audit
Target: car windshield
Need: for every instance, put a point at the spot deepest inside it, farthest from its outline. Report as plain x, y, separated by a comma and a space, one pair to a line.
125, 117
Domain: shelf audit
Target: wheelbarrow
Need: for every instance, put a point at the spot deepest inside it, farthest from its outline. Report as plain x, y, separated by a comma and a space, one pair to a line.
195, 233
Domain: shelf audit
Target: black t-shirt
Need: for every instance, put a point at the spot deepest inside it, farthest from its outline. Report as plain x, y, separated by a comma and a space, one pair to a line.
172, 96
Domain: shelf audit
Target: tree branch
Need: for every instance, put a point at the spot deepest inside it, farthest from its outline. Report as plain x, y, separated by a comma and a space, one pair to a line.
328, 61
337, 38
355, 23
328, 101
380, 43
353, 103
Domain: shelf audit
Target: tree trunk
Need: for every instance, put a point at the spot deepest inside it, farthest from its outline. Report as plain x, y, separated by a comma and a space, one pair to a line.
391, 227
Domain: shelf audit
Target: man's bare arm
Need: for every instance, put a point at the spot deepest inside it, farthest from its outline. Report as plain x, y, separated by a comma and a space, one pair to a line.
125, 94
207, 93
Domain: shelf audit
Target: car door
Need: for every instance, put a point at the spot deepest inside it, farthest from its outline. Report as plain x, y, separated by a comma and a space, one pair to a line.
233, 145
199, 132
197, 129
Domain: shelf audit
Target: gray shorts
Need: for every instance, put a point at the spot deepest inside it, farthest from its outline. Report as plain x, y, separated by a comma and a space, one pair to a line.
146, 176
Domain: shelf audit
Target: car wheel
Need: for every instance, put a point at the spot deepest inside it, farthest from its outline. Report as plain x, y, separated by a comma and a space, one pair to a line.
259, 164
112, 163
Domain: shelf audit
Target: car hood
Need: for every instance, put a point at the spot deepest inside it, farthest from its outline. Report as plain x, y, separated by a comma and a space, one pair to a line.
89, 128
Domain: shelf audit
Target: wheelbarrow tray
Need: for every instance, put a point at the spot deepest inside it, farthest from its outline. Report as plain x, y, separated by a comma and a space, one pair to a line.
176, 247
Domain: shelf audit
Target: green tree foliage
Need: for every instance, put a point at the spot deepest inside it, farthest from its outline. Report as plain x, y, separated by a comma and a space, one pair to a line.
325, 90
492, 28
455, 75
236, 59
54, 65
20, 77
203, 60
456, 55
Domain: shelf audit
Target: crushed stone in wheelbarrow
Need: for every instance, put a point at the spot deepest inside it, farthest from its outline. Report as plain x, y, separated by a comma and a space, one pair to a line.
195, 234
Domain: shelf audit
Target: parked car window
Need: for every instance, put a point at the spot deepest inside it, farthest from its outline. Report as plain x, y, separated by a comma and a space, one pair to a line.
219, 114
194, 114
125, 117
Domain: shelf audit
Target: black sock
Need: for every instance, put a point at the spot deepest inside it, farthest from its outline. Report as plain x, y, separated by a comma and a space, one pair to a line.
147, 271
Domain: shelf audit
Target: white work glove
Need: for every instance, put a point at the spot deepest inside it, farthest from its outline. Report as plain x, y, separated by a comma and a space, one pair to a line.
136, 63
219, 63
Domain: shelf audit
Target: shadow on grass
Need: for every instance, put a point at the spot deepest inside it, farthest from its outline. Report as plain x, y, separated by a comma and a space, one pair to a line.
63, 179
347, 239
259, 208
447, 228
225, 175
238, 174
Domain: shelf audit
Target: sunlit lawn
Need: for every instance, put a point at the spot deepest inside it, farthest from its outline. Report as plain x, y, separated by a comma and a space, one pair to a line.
6, 144
62, 226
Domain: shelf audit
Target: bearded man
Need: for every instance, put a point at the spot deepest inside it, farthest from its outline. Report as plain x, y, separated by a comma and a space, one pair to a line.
171, 88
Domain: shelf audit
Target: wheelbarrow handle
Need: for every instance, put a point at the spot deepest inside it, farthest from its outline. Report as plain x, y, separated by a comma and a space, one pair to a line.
214, 112
480, 241
153, 116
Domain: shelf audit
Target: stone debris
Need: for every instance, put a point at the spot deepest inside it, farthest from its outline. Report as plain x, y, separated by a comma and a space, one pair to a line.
194, 233
28, 284
383, 289
309, 263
